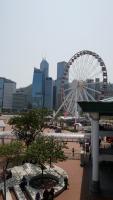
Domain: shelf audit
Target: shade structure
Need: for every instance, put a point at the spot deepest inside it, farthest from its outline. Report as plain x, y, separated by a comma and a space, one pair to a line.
97, 107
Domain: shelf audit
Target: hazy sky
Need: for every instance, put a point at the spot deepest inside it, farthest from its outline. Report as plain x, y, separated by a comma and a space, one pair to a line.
55, 29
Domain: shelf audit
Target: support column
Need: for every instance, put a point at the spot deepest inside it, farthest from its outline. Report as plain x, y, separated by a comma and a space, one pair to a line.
91, 137
95, 152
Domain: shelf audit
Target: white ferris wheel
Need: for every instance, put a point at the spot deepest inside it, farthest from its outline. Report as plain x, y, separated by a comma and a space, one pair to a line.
84, 79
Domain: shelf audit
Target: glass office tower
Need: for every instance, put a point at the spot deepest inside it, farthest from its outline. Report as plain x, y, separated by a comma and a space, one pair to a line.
48, 103
60, 74
60, 69
7, 88
37, 88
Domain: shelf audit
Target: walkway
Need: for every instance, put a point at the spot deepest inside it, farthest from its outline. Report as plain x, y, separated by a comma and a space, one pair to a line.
78, 182
75, 173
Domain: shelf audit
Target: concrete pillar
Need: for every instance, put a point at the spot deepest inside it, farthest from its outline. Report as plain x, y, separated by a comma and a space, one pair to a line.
91, 138
95, 152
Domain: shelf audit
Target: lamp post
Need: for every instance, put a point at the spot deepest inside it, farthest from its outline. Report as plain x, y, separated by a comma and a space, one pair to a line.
4, 179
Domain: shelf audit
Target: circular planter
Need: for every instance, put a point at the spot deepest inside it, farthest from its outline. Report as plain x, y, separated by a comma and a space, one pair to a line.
47, 181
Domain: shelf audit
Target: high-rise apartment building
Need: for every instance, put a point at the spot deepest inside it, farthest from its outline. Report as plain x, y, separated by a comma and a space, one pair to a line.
38, 89
48, 97
44, 67
7, 88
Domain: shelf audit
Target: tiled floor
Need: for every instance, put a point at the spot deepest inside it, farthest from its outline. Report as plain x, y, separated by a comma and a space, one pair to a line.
78, 183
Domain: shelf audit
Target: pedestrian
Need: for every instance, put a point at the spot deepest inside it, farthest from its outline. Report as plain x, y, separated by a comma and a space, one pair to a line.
45, 194
24, 180
99, 141
73, 151
65, 182
51, 194
23, 183
37, 197
8, 174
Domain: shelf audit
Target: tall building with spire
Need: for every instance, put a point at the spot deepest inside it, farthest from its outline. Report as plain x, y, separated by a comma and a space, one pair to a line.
42, 87
44, 67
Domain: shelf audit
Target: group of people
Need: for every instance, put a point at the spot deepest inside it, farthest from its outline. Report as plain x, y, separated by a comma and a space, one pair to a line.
47, 195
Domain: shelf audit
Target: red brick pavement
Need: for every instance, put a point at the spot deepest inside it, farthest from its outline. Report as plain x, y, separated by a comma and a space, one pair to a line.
75, 173
77, 183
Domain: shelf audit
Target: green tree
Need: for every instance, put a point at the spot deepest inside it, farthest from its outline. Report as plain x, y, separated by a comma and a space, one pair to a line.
55, 150
37, 151
46, 150
9, 153
28, 125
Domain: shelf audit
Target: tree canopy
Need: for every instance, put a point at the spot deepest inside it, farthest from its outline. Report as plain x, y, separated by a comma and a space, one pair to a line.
10, 152
28, 125
46, 150
55, 150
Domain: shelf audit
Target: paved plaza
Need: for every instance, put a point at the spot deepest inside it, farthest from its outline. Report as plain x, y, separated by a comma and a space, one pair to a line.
78, 183
78, 176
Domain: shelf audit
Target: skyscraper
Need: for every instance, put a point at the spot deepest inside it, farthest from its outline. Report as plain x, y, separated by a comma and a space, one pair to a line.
1, 92
48, 100
7, 88
60, 74
44, 67
60, 69
54, 95
38, 88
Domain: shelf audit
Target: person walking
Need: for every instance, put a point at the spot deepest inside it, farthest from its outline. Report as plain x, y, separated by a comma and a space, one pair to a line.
37, 197
23, 183
45, 194
65, 183
73, 151
51, 194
